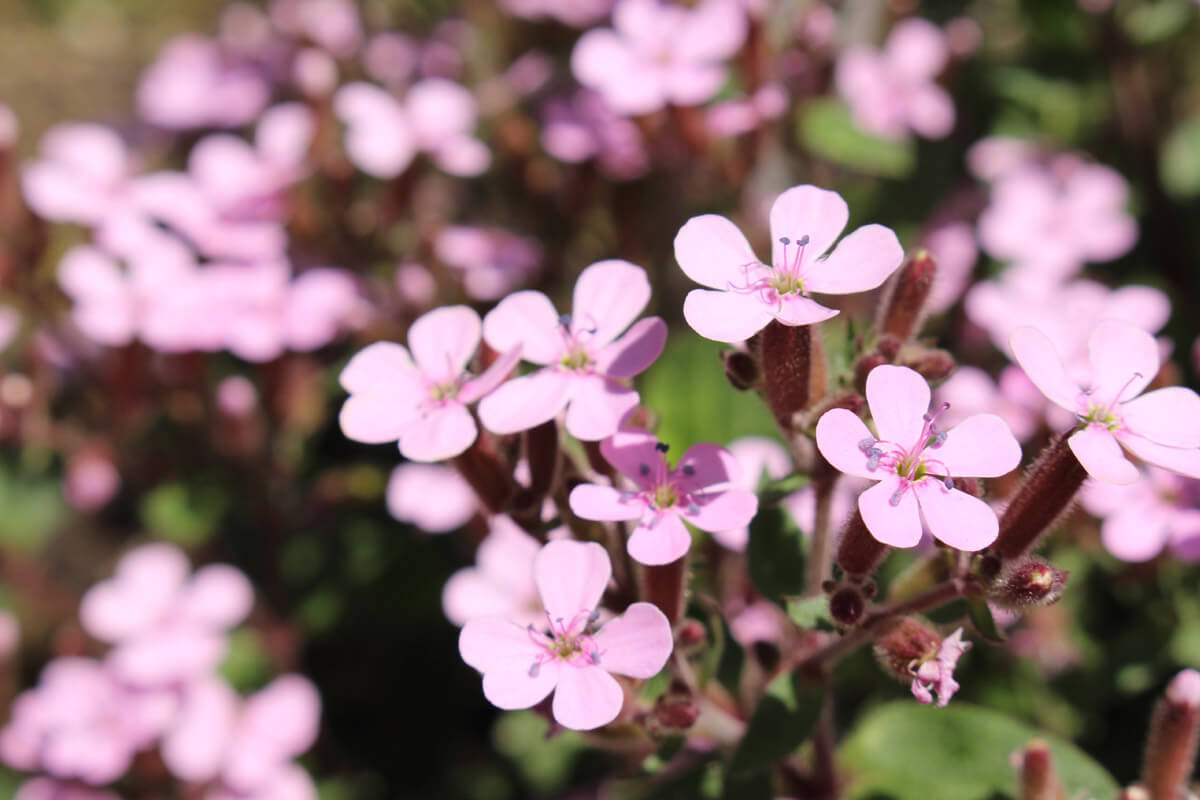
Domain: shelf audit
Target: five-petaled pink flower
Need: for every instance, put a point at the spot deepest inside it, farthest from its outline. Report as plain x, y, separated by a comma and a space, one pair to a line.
1161, 427
702, 489
573, 657
423, 405
915, 463
936, 676
805, 221
583, 363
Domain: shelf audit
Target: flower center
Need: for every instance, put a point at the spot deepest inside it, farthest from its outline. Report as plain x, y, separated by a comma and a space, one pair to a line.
1102, 415
444, 391
910, 464
575, 359
566, 641
787, 278
665, 496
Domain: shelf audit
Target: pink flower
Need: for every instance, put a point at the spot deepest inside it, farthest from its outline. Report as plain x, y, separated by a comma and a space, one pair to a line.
82, 176
492, 261
332, 24
735, 117
1161, 427
577, 13
569, 655
1141, 518
658, 54
805, 221
432, 497
701, 489
501, 582
193, 84
584, 361
936, 676
583, 127
91, 480
892, 91
1014, 399
953, 246
245, 747
50, 789
915, 463
423, 405
995, 156
166, 626
437, 117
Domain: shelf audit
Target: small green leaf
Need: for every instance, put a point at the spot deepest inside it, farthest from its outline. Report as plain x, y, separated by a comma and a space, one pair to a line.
826, 128
811, 613
246, 665
774, 492
908, 751
784, 719
544, 763
185, 515
1150, 23
33, 508
775, 554
1179, 165
981, 617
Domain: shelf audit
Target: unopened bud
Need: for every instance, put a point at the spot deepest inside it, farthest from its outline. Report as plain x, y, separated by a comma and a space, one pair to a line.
741, 369
847, 605
1039, 780
665, 585
1045, 495
1032, 584
907, 643
858, 551
889, 346
863, 367
1174, 732
691, 633
901, 312
675, 709
934, 365
787, 352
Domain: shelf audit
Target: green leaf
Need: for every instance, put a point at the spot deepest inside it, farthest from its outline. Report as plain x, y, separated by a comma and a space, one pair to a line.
185, 515
247, 665
826, 128
544, 763
1179, 165
33, 508
908, 751
784, 719
811, 613
774, 492
775, 554
981, 617
1151, 23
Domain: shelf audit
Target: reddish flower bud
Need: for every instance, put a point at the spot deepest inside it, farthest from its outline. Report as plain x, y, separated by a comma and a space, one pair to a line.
934, 365
675, 710
787, 366
902, 310
741, 369
1039, 780
906, 645
666, 586
1174, 732
858, 551
863, 367
1034, 583
691, 633
847, 605
889, 346
1045, 496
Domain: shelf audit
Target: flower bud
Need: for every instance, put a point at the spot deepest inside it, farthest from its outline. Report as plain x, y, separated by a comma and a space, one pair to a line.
847, 605
1174, 731
787, 369
741, 369
906, 645
858, 551
1032, 584
665, 586
900, 314
889, 346
934, 365
691, 633
1134, 792
675, 710
1039, 780
1045, 496
863, 367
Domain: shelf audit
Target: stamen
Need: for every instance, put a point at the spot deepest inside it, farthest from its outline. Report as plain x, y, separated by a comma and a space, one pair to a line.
662, 448
693, 508
1117, 399
866, 445
594, 656
785, 241
803, 241
644, 469
535, 668
897, 496
689, 470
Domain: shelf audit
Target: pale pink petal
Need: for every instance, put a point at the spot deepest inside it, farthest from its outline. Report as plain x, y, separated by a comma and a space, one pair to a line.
809, 211
526, 319
916, 49
725, 316
1035, 353
281, 721
899, 399
167, 656
706, 464
659, 539
840, 434
980, 446
440, 109
631, 354
1124, 360
526, 402
463, 156
492, 643
608, 297
218, 596
434, 498
471, 594
797, 310
195, 746
1099, 453
376, 418
571, 577
598, 406
1169, 416
713, 31
1184, 460
378, 367
692, 84
955, 517
443, 341
599, 57
931, 112
442, 433
637, 643
860, 262
712, 251
898, 524
490, 378
592, 501
285, 133
1143, 306
756, 455
379, 139
635, 454
586, 698
146, 584
1135, 534
724, 511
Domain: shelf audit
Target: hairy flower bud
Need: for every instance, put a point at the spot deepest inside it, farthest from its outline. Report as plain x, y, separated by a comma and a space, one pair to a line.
908, 643
787, 369
691, 633
741, 369
665, 586
675, 710
934, 365
858, 551
1045, 495
1039, 779
1034, 583
900, 314
1174, 732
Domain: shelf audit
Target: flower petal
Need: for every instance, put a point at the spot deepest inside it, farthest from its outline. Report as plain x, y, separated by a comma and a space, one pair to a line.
608, 297
490, 378
518, 685
194, 747
797, 310
860, 262
1099, 453
707, 464
711, 250
725, 316
1184, 460
527, 319
375, 418
1135, 534
637, 643
1169, 416
808, 211
494, 643
659, 539
586, 698
897, 525
218, 597
631, 354
916, 49
724, 511
899, 399
470, 594
839, 433
1036, 354
571, 577
1124, 360
442, 433
525, 402
980, 446
592, 501
955, 517
598, 406
635, 454
443, 341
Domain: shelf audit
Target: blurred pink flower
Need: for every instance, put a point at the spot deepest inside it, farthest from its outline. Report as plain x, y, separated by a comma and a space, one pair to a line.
501, 582
10, 635
577, 13
332, 24
582, 127
993, 157
522, 665
1014, 398
390, 58
166, 626
436, 117
892, 91
758, 622
50, 789
936, 676
432, 497
583, 360
83, 175
236, 396
735, 117
10, 128
492, 261
657, 54
416, 285
701, 489
1161, 427
245, 747
915, 463
423, 405
953, 246
1160, 509
91, 480
805, 221
194, 84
